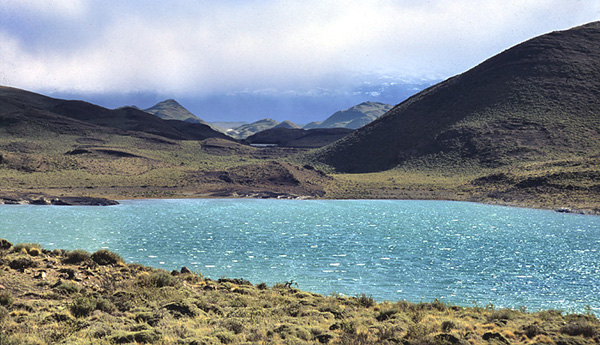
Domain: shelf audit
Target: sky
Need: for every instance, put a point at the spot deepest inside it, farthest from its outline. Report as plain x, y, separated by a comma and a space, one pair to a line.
247, 60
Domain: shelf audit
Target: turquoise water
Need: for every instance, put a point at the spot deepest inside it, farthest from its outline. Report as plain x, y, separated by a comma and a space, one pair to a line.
461, 253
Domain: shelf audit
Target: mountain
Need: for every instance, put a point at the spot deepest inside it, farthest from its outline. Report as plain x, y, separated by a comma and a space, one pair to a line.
287, 124
313, 124
354, 117
247, 130
225, 125
171, 110
297, 137
27, 113
533, 102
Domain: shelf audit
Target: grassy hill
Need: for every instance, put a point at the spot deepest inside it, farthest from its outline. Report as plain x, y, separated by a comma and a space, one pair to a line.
523, 125
57, 148
297, 137
29, 114
172, 110
287, 124
537, 100
247, 130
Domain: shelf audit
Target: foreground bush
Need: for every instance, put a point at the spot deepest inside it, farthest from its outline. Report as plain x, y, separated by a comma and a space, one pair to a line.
106, 257
76, 256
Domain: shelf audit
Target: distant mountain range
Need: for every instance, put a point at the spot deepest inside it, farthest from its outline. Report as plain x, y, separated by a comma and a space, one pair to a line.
354, 117
351, 118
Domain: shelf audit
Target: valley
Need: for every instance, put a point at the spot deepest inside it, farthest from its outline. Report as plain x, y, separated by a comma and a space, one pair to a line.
522, 128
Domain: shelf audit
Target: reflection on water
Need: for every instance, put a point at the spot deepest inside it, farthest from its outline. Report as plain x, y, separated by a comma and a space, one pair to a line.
462, 253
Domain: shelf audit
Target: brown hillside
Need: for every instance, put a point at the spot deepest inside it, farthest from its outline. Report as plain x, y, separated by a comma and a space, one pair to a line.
20, 110
536, 100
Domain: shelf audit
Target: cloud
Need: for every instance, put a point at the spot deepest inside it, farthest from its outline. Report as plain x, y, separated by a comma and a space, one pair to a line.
208, 47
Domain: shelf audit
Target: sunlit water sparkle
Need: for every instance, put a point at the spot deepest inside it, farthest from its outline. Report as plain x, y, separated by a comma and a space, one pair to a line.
461, 253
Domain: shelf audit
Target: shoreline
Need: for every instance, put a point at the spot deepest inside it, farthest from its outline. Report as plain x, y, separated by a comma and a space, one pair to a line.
47, 200
67, 296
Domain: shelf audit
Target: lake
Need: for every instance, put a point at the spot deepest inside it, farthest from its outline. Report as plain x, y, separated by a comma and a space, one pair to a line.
461, 253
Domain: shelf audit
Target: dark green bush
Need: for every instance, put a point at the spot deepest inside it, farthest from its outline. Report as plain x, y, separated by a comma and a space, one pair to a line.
366, 301
157, 279
6, 299
22, 263
106, 257
67, 288
585, 329
447, 326
82, 306
105, 305
76, 256
262, 286
5, 244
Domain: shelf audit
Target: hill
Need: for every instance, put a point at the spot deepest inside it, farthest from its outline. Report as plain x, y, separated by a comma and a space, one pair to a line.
247, 130
297, 137
26, 113
535, 102
287, 124
225, 125
172, 110
354, 117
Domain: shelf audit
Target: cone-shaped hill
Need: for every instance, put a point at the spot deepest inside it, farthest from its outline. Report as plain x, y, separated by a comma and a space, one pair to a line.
172, 110
538, 100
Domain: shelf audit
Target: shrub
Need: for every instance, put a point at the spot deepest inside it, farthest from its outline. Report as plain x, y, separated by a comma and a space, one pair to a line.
22, 263
447, 326
531, 330
157, 279
105, 305
82, 306
5, 244
3, 315
234, 326
106, 257
27, 248
76, 256
67, 288
502, 314
365, 301
580, 328
6, 299
262, 286
225, 337
147, 336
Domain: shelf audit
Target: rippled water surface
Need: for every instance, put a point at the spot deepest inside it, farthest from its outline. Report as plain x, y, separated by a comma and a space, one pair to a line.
462, 253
